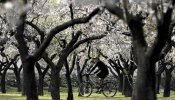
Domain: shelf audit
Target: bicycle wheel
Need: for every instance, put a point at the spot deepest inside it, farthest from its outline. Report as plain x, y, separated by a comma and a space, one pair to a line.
109, 89
85, 89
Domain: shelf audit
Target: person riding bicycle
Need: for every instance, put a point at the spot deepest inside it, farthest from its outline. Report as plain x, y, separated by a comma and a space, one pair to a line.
102, 71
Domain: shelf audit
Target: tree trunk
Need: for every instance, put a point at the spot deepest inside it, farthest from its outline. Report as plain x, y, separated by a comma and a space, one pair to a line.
158, 80
3, 82
123, 86
129, 82
41, 78
0, 80
69, 86
167, 85
23, 88
128, 87
18, 79
41, 85
80, 80
145, 82
120, 83
29, 80
55, 84
69, 83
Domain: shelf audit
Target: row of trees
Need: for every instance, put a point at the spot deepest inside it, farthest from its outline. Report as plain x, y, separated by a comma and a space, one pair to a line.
36, 33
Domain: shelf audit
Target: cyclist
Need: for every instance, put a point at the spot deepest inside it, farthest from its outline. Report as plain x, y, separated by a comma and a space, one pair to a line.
102, 71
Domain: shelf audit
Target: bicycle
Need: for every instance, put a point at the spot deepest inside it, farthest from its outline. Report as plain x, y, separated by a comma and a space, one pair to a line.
109, 89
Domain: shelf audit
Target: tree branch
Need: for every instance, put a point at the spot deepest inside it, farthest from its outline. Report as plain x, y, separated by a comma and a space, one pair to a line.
163, 35
73, 63
85, 40
49, 60
73, 41
22, 47
38, 67
84, 66
41, 33
60, 28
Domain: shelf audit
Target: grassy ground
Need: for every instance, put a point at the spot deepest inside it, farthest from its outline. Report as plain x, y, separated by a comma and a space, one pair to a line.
12, 95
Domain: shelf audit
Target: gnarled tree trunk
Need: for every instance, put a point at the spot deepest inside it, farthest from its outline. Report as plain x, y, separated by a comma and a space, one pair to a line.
69, 82
29, 81
55, 84
145, 82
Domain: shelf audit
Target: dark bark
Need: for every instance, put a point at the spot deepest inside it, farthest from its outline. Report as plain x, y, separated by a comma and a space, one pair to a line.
41, 78
127, 83
128, 70
145, 82
158, 80
29, 81
55, 84
168, 79
123, 85
120, 84
80, 80
76, 45
73, 62
41, 85
79, 76
127, 86
23, 88
167, 86
3, 82
161, 68
69, 82
17, 75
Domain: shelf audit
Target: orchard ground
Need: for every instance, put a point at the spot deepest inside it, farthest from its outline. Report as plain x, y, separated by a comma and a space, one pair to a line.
13, 95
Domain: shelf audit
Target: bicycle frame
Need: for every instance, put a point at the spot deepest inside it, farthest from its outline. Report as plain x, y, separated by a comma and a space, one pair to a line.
88, 79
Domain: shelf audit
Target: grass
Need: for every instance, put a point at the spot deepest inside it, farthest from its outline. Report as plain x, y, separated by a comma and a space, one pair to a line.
13, 95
